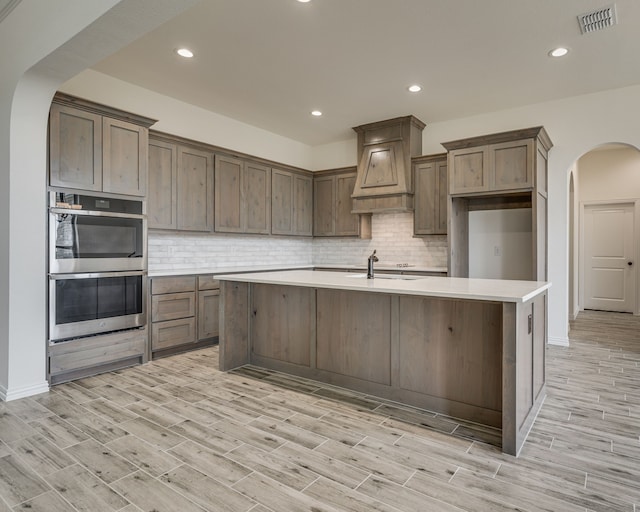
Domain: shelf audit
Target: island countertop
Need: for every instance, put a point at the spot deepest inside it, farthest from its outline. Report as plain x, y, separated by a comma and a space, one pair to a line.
499, 290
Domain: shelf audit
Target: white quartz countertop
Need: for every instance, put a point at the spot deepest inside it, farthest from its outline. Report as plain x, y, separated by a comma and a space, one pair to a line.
498, 290
224, 270
270, 268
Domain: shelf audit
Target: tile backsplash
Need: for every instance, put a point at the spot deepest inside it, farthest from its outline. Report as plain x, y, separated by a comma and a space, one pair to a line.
392, 237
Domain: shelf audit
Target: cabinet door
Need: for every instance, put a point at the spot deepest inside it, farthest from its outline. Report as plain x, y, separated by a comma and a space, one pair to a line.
282, 199
346, 222
256, 201
302, 205
323, 206
161, 196
426, 199
208, 314
228, 187
512, 164
469, 170
124, 157
75, 149
194, 190
443, 193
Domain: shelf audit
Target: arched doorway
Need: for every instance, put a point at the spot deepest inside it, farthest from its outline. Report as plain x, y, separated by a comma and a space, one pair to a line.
604, 209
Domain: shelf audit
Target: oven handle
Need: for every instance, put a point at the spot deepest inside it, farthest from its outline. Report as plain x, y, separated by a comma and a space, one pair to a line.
93, 275
94, 213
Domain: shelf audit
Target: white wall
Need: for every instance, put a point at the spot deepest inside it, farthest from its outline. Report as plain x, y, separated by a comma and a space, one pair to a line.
500, 244
610, 174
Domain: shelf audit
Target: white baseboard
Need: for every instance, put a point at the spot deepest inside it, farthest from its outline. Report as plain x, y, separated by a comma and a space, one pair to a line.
6, 395
560, 342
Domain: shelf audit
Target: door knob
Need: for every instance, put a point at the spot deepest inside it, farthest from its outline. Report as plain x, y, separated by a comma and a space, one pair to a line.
630, 263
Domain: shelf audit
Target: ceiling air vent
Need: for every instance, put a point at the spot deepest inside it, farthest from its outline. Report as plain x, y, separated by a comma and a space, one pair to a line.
598, 19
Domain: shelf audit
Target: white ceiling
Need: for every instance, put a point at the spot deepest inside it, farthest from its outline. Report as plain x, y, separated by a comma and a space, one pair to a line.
268, 63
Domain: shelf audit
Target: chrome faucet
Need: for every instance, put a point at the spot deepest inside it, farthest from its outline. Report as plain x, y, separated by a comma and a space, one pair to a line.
372, 259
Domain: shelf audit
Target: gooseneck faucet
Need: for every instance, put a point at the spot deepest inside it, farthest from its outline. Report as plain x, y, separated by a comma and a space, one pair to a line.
372, 259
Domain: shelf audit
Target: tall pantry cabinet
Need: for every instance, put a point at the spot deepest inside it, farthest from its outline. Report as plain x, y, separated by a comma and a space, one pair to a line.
498, 172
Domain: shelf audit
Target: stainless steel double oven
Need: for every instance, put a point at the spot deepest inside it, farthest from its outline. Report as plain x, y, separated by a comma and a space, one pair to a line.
97, 265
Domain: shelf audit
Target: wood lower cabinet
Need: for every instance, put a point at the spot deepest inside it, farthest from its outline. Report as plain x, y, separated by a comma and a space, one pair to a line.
430, 195
332, 203
184, 313
291, 203
97, 148
481, 360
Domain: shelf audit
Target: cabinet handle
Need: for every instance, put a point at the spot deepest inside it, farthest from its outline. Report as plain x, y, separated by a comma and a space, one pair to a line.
529, 324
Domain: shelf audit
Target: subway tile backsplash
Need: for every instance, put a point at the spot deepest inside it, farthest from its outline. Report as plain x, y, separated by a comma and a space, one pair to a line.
392, 237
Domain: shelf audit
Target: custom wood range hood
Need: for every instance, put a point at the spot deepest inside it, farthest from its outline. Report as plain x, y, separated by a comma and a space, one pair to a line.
384, 181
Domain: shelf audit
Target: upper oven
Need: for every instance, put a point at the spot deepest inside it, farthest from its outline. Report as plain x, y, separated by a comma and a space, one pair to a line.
96, 234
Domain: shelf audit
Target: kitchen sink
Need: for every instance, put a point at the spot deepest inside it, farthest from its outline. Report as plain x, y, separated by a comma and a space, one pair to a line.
388, 276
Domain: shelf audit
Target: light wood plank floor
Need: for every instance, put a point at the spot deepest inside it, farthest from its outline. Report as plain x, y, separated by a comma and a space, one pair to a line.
177, 435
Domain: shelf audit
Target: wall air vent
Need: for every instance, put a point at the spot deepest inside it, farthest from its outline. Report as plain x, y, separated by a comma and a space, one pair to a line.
598, 19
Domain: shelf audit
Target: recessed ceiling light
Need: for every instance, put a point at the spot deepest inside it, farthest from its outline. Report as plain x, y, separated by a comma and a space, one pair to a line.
559, 52
184, 52
316, 113
414, 88
304, 1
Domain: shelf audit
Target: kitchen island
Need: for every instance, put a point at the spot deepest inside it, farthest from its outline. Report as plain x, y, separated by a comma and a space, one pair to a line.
472, 349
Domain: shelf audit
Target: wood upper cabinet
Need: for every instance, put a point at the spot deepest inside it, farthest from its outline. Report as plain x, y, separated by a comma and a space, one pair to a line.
124, 157
501, 166
332, 204
324, 206
194, 189
430, 199
162, 193
346, 223
242, 196
75, 148
96, 148
291, 203
257, 198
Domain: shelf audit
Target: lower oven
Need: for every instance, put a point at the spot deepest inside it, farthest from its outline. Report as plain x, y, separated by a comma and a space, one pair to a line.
95, 303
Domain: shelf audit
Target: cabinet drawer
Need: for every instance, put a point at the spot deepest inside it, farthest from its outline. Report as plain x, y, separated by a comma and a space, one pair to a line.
160, 285
173, 333
208, 283
172, 306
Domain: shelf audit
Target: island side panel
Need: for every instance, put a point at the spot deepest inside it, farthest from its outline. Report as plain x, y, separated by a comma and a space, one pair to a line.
509, 389
525, 338
452, 350
353, 334
282, 323
234, 325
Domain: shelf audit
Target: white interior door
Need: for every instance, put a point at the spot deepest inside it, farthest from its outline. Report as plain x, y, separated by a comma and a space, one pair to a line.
609, 250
